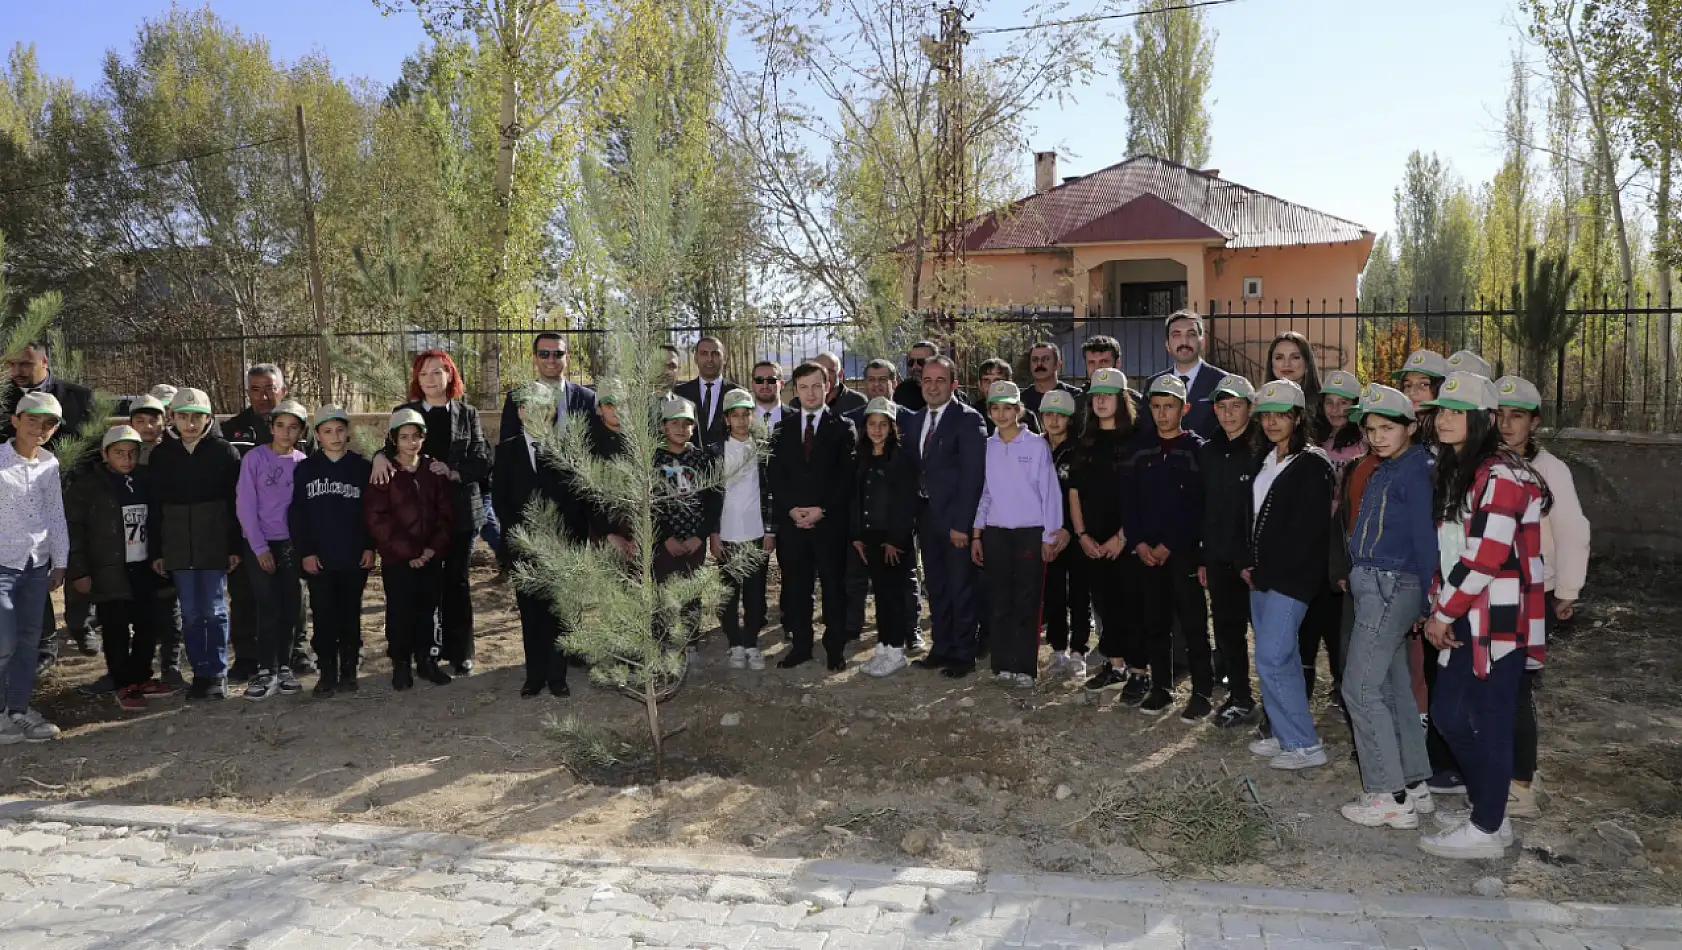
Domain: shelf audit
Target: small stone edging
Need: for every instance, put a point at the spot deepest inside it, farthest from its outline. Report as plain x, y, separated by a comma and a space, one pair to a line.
238, 830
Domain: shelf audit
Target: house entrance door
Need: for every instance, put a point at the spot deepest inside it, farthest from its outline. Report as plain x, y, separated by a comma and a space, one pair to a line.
1157, 299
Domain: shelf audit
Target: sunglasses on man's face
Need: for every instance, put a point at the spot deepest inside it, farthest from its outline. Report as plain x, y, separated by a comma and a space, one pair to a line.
916, 360
551, 354
766, 380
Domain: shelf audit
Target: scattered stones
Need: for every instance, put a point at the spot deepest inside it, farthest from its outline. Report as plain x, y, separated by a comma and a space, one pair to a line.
968, 702
836, 831
974, 783
1064, 793
730, 719
1489, 887
1620, 838
867, 713
806, 699
918, 841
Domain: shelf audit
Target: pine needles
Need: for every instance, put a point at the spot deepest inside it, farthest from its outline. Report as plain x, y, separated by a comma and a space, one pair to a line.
1197, 818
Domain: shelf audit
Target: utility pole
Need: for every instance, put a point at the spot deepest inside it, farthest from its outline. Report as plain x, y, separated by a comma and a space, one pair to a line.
318, 290
951, 169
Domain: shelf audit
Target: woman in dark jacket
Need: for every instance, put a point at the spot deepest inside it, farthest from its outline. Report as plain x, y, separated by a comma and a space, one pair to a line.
412, 519
884, 506
456, 449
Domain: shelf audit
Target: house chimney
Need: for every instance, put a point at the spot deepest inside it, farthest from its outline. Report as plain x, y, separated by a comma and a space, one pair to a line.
1209, 172
1045, 171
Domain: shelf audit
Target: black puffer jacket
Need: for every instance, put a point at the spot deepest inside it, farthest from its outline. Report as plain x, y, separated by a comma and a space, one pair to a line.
193, 525
94, 506
1229, 466
885, 502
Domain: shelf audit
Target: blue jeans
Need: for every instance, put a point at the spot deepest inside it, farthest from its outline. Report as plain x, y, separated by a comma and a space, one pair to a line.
204, 620
1476, 718
492, 532
1378, 682
1279, 666
23, 599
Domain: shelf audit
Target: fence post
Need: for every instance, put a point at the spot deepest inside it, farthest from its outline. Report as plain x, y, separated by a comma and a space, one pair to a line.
1559, 388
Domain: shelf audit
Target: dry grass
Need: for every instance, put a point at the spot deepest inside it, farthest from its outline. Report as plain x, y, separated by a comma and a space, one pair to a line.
1197, 818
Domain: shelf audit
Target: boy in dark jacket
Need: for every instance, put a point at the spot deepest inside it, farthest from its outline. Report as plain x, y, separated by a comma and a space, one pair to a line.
1229, 461
1162, 515
334, 548
412, 517
106, 510
193, 534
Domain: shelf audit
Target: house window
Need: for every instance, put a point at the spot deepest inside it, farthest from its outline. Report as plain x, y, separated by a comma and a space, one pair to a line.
1252, 288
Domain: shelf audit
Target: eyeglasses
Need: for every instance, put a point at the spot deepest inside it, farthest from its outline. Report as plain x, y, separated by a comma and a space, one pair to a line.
551, 354
916, 360
766, 380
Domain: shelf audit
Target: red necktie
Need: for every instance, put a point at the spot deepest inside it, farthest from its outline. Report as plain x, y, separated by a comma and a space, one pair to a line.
806, 443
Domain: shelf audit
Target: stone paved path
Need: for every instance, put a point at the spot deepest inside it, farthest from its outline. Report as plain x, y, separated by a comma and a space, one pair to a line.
84, 876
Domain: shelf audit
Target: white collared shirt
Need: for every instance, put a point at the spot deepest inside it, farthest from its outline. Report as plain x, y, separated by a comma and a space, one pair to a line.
741, 518
33, 531
768, 417
1191, 377
815, 417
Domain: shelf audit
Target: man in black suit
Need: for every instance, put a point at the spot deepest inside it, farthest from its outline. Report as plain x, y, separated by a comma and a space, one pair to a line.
550, 355
909, 394
842, 401
951, 447
811, 474
1186, 339
707, 391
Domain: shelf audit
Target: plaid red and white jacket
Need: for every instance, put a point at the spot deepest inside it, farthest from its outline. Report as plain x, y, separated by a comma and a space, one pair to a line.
1497, 585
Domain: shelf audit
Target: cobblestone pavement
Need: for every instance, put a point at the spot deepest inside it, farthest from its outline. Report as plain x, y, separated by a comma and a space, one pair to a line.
83, 876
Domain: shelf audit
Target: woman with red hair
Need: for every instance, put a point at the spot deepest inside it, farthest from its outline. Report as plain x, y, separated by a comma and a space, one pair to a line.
456, 445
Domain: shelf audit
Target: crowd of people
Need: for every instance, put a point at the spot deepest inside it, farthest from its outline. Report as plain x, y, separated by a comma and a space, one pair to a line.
1418, 534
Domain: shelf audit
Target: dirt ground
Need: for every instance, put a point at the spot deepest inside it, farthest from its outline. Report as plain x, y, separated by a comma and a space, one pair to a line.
844, 766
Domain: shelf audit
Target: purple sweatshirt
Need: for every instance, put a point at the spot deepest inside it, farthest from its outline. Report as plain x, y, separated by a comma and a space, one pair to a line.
1021, 490
264, 493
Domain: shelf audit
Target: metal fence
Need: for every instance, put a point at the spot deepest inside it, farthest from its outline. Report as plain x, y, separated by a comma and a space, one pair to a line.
1617, 371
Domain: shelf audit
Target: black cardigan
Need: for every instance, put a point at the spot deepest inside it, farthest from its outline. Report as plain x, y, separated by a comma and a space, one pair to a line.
1289, 537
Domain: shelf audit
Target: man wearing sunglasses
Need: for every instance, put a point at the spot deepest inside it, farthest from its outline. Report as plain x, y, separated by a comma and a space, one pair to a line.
909, 395
549, 356
767, 395
706, 392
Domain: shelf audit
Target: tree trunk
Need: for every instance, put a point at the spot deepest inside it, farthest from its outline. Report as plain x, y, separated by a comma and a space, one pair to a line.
502, 189
651, 702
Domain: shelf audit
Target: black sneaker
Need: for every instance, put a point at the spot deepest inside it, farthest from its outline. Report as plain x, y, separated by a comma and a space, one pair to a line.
1446, 782
1157, 701
1234, 713
200, 689
172, 677
301, 664
324, 688
348, 685
98, 687
288, 683
1138, 686
1108, 678
1196, 708
242, 671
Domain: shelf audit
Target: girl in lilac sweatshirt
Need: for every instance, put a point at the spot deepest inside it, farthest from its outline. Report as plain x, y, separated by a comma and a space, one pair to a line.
262, 499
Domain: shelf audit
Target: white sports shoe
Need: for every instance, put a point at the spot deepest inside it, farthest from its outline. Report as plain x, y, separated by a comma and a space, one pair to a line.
756, 659
1419, 796
1464, 842
1291, 760
738, 658
888, 661
1450, 819
1266, 748
1376, 809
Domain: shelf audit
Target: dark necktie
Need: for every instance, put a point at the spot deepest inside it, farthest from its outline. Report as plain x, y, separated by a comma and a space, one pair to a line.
1186, 381
806, 444
706, 411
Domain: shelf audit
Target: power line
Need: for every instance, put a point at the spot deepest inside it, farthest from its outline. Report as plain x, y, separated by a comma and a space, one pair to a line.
146, 165
1100, 17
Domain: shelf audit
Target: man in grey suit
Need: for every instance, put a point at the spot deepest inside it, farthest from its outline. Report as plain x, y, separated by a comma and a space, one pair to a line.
950, 443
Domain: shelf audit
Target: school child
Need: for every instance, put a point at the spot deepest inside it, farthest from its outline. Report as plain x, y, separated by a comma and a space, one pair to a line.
1162, 518
883, 511
1018, 530
334, 548
262, 500
106, 512
1290, 535
688, 515
607, 442
1487, 612
412, 519
1228, 462
1068, 601
1466, 361
148, 416
1393, 556
34, 554
1110, 426
1565, 562
745, 518
193, 533
1343, 445
1419, 379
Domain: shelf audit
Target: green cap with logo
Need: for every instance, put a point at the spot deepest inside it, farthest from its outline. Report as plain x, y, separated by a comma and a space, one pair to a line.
1342, 384
608, 394
882, 406
1518, 392
1466, 361
1385, 401
328, 414
1058, 401
1232, 385
406, 417
1169, 385
677, 408
1006, 392
190, 400
1107, 381
293, 408
117, 434
1428, 362
1279, 395
1466, 392
737, 399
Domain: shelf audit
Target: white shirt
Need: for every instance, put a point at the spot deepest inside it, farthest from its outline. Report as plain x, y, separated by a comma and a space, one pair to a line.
32, 528
741, 519
1191, 377
816, 421
1270, 469
531, 450
930, 423
716, 388
768, 417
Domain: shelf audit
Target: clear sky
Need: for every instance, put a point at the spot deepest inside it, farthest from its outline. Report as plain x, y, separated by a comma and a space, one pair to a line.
1316, 101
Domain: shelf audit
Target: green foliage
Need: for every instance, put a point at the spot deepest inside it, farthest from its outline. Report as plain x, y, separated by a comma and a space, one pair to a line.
1542, 323
585, 748
1437, 237
1166, 68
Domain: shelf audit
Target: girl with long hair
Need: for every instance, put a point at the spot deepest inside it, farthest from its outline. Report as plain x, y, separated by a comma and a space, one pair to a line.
1068, 600
1110, 425
1290, 356
884, 505
1419, 379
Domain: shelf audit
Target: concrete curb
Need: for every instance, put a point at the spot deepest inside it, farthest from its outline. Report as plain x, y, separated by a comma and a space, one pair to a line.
1144, 891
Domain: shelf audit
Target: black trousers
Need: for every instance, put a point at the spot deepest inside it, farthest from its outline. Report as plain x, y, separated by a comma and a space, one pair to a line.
808, 556
1112, 585
168, 626
543, 636
1322, 624
1068, 601
743, 615
892, 582
667, 565
279, 598
1015, 577
78, 617
245, 616
411, 600
1229, 608
455, 604
859, 585
131, 628
336, 601
1168, 593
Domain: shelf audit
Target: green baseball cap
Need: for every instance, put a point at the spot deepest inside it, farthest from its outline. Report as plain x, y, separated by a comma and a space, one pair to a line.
1058, 401
1466, 392
1107, 381
1232, 385
882, 406
328, 414
1429, 362
39, 404
1169, 385
1385, 401
737, 399
1343, 384
117, 434
146, 403
293, 408
406, 417
1279, 395
1518, 392
1006, 392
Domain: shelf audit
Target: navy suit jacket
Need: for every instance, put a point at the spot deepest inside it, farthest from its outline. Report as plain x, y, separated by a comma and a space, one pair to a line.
580, 402
953, 468
707, 434
1200, 412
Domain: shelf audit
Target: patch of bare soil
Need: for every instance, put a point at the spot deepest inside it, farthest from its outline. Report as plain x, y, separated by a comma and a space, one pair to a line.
959, 774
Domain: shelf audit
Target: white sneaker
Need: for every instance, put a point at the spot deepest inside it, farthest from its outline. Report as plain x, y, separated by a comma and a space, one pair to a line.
1077, 667
33, 726
888, 661
1375, 809
1266, 748
738, 658
1291, 760
1004, 679
1024, 681
1464, 842
1449, 819
756, 659
1419, 796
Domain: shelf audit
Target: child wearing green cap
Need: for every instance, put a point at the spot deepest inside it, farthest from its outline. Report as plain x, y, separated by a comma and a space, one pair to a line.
1068, 599
744, 519
688, 514
1228, 463
411, 517
330, 539
262, 499
34, 552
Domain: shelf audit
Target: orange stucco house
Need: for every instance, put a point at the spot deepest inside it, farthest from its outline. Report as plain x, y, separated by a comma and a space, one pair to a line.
1126, 245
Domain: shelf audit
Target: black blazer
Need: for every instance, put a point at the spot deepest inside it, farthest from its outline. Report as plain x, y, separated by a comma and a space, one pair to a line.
580, 400
707, 435
1290, 536
469, 455
515, 483
825, 480
1200, 412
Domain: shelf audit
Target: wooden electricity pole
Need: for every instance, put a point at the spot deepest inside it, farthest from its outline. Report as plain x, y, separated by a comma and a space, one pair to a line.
318, 289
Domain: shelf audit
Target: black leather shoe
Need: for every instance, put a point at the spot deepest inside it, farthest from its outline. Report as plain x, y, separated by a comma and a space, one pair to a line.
531, 689
432, 673
793, 660
835, 662
348, 685
402, 677
958, 671
560, 690
932, 662
464, 668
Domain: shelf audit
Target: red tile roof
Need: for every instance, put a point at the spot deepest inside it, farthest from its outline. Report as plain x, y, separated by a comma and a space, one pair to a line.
1148, 198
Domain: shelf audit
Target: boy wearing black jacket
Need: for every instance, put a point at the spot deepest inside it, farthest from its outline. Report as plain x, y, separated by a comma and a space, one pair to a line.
331, 541
1162, 515
1229, 467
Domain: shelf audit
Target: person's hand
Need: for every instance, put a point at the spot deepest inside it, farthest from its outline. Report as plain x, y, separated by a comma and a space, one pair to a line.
439, 468
1061, 544
1203, 576
1111, 549
1565, 609
1343, 586
1245, 573
692, 545
418, 563
158, 568
82, 585
891, 554
266, 562
1145, 554
959, 539
1440, 634
815, 516
382, 470
233, 562
975, 553
312, 564
674, 548
1160, 552
716, 546
367, 563
1091, 548
769, 544
1048, 551
859, 547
